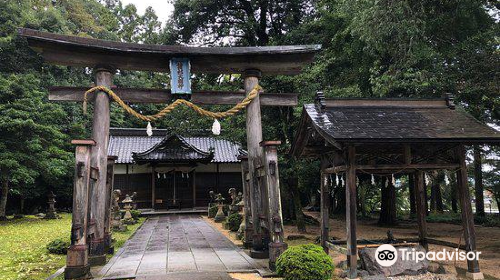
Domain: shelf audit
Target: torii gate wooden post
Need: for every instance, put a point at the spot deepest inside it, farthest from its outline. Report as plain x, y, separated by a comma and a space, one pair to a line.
98, 160
255, 156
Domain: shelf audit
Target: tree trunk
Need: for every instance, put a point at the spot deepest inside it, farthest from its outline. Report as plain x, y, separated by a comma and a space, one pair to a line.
453, 192
4, 194
478, 181
388, 203
411, 190
299, 215
436, 196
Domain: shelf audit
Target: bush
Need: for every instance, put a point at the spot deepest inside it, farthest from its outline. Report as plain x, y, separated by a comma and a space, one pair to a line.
487, 221
304, 262
135, 214
58, 246
212, 211
234, 221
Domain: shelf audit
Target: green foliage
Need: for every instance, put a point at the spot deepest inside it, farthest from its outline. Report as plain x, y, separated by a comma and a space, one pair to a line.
234, 221
452, 218
488, 220
58, 246
212, 211
304, 262
135, 214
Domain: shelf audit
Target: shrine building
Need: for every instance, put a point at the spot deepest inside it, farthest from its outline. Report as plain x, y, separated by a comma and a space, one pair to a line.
170, 171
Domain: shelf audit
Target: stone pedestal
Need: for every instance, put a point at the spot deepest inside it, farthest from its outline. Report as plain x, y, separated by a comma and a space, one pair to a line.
275, 250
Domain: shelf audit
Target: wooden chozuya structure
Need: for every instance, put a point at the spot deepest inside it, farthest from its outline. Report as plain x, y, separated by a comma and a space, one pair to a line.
386, 137
105, 57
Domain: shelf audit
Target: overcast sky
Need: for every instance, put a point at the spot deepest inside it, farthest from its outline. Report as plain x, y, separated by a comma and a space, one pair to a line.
163, 8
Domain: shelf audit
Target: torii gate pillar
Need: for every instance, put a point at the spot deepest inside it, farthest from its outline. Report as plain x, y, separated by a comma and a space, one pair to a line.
98, 160
255, 156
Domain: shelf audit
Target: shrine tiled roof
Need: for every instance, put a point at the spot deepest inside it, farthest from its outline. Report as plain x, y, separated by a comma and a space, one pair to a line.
124, 142
397, 120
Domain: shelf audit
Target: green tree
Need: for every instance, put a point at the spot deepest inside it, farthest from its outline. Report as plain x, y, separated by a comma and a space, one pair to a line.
31, 145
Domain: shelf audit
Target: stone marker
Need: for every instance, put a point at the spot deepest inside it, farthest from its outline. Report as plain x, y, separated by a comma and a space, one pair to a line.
406, 267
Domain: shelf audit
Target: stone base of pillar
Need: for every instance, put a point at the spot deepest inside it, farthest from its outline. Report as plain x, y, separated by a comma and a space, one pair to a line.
97, 260
97, 252
77, 266
247, 244
259, 254
81, 272
474, 275
108, 244
275, 250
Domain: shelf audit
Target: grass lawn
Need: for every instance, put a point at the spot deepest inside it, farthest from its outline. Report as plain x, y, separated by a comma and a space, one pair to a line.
22, 246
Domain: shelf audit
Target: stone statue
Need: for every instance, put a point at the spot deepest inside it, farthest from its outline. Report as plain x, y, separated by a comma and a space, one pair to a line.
116, 215
212, 198
219, 217
235, 199
132, 197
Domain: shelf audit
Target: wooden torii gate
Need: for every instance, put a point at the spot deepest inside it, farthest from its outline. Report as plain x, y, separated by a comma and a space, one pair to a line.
90, 234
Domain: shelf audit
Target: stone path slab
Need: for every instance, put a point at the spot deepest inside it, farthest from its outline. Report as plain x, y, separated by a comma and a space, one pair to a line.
177, 246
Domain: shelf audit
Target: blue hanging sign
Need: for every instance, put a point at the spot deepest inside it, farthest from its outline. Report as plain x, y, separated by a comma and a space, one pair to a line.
180, 76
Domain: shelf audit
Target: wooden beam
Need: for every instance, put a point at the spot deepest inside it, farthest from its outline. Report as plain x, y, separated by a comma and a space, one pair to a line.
375, 167
466, 211
387, 102
324, 204
350, 190
421, 208
88, 52
153, 187
141, 95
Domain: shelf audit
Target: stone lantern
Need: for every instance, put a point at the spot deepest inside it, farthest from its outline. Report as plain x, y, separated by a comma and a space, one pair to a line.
127, 206
51, 212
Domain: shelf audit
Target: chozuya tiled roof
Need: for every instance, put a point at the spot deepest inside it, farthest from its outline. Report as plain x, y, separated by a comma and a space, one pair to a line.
125, 141
395, 120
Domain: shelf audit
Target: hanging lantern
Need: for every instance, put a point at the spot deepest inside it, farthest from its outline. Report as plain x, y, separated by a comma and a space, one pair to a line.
158, 175
216, 127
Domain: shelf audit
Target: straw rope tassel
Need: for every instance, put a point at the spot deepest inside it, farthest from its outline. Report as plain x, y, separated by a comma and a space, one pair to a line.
169, 108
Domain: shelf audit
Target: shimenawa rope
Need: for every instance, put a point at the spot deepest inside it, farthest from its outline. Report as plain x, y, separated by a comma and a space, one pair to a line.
169, 108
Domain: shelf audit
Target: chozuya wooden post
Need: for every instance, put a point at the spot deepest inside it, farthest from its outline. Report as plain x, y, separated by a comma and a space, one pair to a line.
350, 191
324, 204
277, 245
420, 207
245, 178
255, 156
109, 190
77, 265
473, 271
98, 160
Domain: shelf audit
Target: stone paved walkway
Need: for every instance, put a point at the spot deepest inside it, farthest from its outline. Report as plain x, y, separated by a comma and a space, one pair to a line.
169, 245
